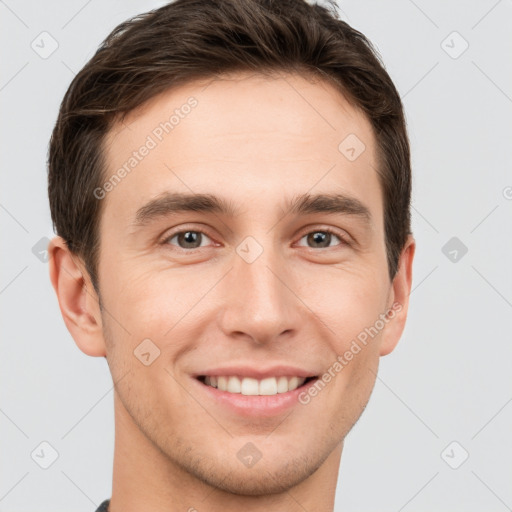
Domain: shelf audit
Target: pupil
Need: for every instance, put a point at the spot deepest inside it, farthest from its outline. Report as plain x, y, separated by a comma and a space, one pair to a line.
321, 238
190, 237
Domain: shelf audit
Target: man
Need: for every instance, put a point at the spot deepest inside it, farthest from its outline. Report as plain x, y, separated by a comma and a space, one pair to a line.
230, 183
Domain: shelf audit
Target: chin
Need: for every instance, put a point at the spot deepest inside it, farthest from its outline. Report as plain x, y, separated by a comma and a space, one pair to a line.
263, 481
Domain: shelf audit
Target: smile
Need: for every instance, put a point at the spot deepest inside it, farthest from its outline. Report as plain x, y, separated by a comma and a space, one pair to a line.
252, 397
252, 387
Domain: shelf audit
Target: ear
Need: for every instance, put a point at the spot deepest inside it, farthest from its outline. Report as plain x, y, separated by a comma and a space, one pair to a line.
398, 303
78, 301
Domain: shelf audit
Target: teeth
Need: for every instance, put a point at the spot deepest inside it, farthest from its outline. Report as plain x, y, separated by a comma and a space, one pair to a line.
250, 386
294, 382
268, 386
282, 385
233, 385
222, 383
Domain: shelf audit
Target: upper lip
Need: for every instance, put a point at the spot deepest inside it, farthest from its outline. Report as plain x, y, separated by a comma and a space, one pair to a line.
258, 373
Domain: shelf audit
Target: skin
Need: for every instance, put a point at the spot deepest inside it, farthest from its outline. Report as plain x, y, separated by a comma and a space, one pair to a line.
255, 140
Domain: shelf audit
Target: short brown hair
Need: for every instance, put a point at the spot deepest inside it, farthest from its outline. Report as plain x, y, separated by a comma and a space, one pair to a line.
197, 39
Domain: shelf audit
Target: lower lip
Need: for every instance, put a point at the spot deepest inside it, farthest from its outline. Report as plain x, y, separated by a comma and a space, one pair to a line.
254, 405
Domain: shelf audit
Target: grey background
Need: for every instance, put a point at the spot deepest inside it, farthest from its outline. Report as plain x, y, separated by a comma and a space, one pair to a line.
449, 378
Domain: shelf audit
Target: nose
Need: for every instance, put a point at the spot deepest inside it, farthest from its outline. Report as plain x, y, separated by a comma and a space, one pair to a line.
259, 302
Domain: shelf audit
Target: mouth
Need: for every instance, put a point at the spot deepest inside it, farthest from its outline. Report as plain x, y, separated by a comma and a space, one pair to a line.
254, 391
249, 397
248, 386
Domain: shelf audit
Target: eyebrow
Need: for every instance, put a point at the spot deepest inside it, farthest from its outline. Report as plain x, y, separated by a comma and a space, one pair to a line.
303, 204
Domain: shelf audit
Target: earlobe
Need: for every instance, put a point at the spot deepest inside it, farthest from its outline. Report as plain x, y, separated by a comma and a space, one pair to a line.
77, 298
399, 302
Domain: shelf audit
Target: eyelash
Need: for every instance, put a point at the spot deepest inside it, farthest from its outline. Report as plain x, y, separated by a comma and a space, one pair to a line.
342, 238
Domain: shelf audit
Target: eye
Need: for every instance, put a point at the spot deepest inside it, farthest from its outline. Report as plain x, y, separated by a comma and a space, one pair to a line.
322, 238
188, 239
194, 239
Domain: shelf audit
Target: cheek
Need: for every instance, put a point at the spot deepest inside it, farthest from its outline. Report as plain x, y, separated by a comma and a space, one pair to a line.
148, 320
146, 302
347, 302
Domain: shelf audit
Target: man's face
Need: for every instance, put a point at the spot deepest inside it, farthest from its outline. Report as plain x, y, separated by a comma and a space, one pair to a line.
262, 293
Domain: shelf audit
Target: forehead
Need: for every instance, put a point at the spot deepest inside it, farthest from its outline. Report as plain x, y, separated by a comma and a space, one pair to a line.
248, 135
